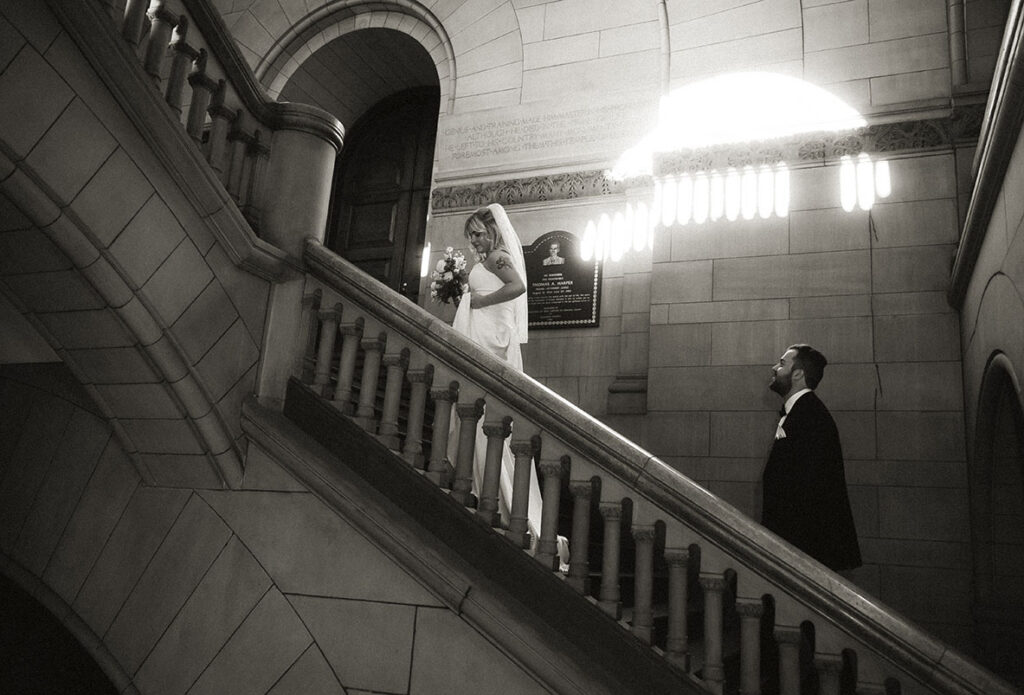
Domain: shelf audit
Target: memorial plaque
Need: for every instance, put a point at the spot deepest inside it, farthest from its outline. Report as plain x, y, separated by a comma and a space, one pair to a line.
562, 290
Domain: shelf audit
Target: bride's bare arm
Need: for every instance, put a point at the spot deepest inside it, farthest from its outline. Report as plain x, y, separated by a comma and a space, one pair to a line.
500, 263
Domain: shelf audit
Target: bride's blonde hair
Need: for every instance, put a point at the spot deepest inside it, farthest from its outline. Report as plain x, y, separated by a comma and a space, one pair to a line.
483, 219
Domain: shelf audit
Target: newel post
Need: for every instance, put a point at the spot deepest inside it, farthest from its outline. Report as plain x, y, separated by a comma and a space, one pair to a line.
305, 143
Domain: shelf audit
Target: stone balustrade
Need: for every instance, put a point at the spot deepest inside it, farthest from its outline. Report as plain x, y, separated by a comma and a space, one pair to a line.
758, 595
275, 159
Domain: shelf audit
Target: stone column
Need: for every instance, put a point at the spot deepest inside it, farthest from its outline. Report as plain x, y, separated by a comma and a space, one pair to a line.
829, 666
221, 117
519, 511
395, 366
239, 141
308, 322
162, 22
487, 506
351, 336
419, 382
609, 598
437, 469
329, 319
365, 412
203, 87
462, 486
788, 639
547, 548
305, 143
957, 42
579, 560
714, 670
134, 21
676, 648
643, 617
182, 56
750, 612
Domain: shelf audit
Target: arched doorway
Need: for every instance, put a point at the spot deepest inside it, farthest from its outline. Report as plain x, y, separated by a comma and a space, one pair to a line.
382, 188
997, 511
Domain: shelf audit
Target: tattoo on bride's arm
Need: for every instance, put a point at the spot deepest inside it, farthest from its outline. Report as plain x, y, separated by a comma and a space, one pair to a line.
500, 262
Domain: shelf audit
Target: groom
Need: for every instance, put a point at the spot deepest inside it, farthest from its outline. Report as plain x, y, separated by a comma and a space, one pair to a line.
805, 499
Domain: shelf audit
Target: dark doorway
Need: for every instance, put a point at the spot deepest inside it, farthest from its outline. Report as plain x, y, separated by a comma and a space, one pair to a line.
382, 188
997, 509
38, 655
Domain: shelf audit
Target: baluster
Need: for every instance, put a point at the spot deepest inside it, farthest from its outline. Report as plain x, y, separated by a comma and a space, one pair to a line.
308, 323
259, 155
203, 87
714, 671
579, 561
182, 57
395, 366
438, 469
419, 382
469, 414
519, 514
329, 319
551, 494
609, 597
221, 118
788, 639
351, 335
487, 507
829, 667
365, 413
134, 21
643, 617
162, 23
677, 648
239, 140
750, 612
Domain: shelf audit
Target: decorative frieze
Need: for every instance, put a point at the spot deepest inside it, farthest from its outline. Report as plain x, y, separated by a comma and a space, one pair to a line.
962, 125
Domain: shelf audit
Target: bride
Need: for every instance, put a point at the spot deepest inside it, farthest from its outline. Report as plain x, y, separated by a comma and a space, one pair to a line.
493, 315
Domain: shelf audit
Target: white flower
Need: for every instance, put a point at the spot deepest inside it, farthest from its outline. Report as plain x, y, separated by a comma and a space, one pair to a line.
448, 276
448, 250
440, 266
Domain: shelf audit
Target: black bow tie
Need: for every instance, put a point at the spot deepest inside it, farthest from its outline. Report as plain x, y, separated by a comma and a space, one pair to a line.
782, 412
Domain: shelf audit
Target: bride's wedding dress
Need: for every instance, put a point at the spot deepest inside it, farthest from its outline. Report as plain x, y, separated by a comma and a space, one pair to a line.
493, 328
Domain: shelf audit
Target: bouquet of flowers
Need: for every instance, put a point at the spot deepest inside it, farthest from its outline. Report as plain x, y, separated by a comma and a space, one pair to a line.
448, 281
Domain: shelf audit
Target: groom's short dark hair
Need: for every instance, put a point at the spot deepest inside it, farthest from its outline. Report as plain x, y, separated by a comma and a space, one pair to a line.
811, 361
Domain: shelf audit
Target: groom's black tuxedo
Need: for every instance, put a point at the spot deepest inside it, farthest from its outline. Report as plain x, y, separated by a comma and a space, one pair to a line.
805, 499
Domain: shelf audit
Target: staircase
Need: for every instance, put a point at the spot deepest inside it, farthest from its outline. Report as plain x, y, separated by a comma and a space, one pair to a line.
711, 593
669, 588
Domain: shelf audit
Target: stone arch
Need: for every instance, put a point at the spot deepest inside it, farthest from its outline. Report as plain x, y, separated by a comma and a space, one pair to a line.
337, 18
996, 484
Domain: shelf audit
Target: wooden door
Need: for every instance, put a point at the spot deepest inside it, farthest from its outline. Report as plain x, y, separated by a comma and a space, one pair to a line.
382, 189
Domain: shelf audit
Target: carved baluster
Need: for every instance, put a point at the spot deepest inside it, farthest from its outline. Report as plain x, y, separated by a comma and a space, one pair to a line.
788, 639
643, 616
714, 670
182, 56
551, 494
609, 597
438, 469
239, 143
419, 382
487, 507
203, 88
259, 155
469, 414
221, 117
676, 648
829, 667
308, 324
750, 612
134, 21
395, 366
365, 413
519, 513
329, 320
351, 335
162, 23
579, 561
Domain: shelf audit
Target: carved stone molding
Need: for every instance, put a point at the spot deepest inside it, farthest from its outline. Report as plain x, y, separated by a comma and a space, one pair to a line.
962, 125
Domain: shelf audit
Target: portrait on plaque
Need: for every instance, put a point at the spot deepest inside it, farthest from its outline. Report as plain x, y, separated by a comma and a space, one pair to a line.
562, 290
